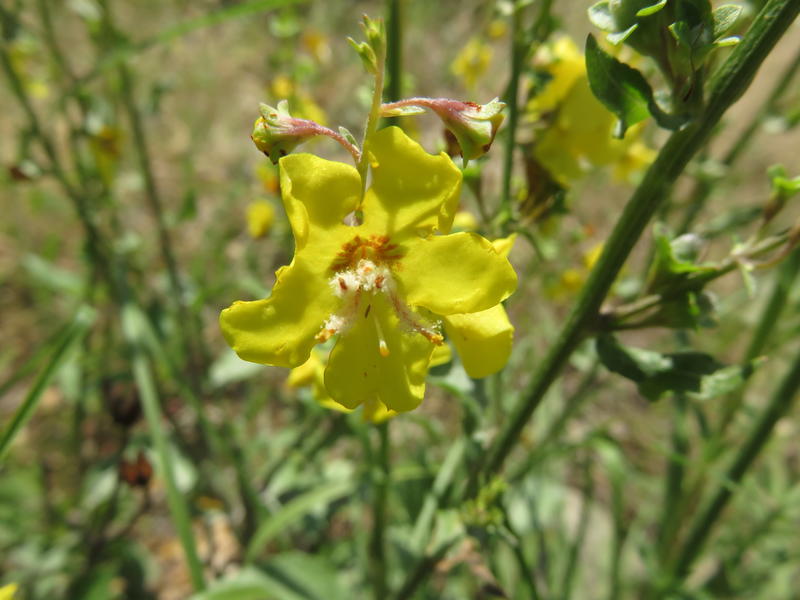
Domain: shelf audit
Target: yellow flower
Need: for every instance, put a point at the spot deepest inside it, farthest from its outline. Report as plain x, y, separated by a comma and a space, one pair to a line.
472, 62
260, 217
579, 131
7, 591
379, 286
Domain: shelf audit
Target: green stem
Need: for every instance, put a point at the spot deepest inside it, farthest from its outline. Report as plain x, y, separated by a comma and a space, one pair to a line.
621, 527
779, 405
377, 542
673, 483
703, 188
394, 54
774, 307
578, 543
372, 120
143, 376
517, 51
730, 83
786, 276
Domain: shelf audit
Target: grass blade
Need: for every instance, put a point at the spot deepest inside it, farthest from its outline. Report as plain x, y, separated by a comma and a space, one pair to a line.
74, 332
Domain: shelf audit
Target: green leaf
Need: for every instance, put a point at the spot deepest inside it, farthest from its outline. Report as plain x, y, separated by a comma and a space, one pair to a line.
685, 311
649, 10
725, 18
621, 89
781, 183
229, 368
601, 17
655, 373
633, 363
247, 584
304, 577
54, 278
686, 374
293, 511
726, 380
674, 262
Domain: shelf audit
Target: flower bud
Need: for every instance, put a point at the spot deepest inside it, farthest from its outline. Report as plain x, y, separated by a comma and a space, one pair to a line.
276, 132
474, 125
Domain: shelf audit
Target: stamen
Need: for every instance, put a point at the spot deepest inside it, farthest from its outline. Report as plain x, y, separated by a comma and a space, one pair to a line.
383, 348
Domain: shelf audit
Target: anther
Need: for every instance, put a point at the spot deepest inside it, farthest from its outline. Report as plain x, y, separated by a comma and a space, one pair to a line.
383, 348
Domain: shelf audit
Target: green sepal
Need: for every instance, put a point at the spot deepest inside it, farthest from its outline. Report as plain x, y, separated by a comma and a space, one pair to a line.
650, 10
601, 17
725, 18
367, 55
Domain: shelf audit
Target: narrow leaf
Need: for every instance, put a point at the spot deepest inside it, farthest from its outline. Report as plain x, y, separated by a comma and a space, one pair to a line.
293, 511
78, 328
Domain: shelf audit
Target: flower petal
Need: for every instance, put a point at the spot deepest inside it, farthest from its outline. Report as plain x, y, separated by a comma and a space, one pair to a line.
376, 412
357, 373
457, 273
483, 340
280, 330
317, 194
412, 192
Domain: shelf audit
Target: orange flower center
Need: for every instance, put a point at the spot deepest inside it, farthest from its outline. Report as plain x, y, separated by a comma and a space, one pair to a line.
376, 248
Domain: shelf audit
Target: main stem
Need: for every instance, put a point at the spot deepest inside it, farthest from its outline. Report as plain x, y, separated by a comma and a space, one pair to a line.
733, 78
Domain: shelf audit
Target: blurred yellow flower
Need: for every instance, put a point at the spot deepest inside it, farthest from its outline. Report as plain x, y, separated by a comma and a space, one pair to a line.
572, 279
578, 131
260, 217
7, 591
497, 29
316, 44
472, 62
465, 221
268, 176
